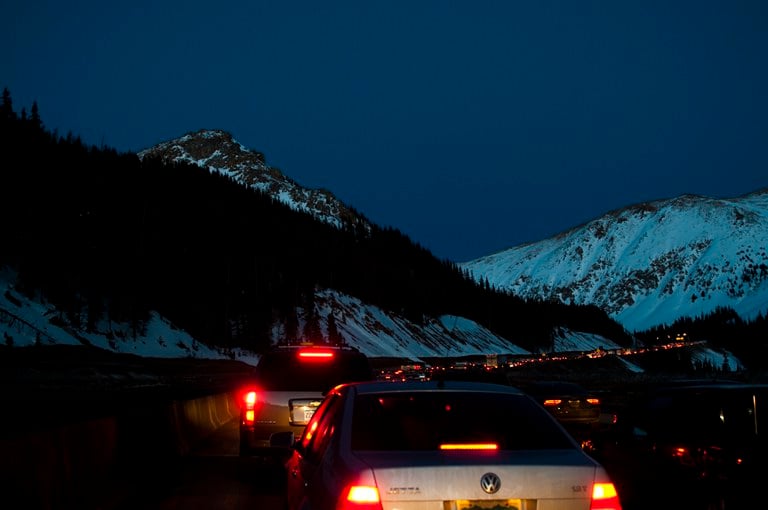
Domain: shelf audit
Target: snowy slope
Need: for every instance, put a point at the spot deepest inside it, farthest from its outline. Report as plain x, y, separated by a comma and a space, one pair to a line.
25, 321
650, 263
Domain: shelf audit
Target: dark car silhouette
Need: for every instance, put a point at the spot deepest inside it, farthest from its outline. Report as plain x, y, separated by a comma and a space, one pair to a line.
705, 440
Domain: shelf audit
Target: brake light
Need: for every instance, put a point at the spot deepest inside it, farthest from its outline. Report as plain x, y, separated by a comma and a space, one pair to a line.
593, 401
315, 354
469, 446
604, 497
363, 494
250, 399
360, 493
553, 402
361, 497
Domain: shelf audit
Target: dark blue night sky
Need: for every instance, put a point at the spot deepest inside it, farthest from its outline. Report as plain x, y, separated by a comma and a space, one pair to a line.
471, 126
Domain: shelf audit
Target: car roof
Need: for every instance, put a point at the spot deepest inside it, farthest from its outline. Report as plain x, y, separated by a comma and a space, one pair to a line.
310, 347
288, 352
432, 386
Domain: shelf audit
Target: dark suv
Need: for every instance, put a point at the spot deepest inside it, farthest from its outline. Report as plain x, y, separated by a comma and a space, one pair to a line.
288, 385
704, 441
709, 430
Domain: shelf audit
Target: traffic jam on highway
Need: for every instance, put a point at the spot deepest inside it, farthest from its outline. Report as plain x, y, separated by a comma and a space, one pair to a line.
413, 436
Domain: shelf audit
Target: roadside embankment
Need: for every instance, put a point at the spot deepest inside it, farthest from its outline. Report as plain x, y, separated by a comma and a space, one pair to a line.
77, 423
77, 464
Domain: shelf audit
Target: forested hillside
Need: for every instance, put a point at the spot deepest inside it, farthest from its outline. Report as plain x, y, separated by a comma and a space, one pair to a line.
103, 235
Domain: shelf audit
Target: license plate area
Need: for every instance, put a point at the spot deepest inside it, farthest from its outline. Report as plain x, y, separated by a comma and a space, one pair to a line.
488, 504
300, 410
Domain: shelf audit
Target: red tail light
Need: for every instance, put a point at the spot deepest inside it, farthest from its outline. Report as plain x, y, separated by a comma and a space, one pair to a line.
361, 493
604, 497
553, 402
360, 497
594, 401
249, 399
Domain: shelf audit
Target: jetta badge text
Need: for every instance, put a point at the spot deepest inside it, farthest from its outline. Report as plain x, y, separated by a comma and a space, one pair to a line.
404, 491
490, 483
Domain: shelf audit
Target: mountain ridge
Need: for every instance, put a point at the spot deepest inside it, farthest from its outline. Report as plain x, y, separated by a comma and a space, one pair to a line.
218, 151
105, 289
645, 264
650, 263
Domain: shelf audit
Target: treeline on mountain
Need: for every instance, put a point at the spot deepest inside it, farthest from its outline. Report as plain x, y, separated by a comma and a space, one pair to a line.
722, 329
106, 236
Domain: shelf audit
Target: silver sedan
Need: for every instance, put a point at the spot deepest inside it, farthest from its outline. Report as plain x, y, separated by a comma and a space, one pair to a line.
442, 445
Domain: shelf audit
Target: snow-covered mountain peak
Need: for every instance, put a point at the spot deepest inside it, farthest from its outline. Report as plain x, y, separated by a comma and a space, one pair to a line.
219, 152
650, 263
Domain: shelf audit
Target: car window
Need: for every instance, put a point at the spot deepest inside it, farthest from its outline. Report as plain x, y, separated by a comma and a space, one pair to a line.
283, 371
424, 420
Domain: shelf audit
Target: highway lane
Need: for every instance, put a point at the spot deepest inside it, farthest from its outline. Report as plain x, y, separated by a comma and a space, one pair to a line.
212, 476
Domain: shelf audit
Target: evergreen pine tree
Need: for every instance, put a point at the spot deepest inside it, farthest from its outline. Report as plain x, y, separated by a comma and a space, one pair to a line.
291, 327
34, 117
334, 337
6, 107
312, 331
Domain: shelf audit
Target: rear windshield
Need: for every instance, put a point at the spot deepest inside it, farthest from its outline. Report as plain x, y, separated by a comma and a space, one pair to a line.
284, 371
424, 421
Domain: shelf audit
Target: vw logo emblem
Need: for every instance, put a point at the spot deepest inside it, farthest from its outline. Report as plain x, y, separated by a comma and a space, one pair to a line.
490, 483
